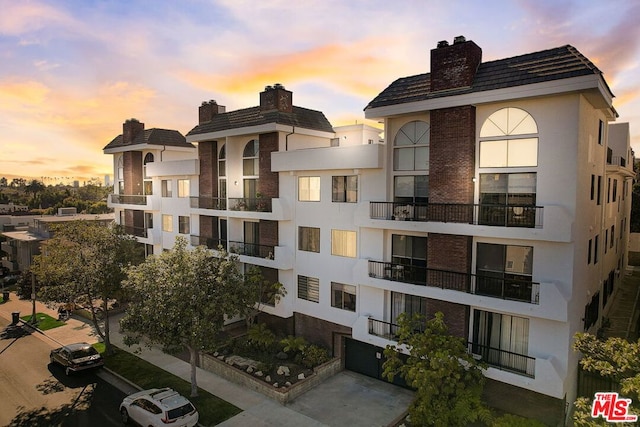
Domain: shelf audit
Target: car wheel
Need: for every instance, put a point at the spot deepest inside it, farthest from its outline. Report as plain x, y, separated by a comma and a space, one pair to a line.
124, 416
67, 371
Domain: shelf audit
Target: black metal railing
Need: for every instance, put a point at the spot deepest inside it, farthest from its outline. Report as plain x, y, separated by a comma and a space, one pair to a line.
208, 203
252, 249
128, 199
526, 216
135, 231
507, 287
208, 242
504, 360
383, 329
257, 204
619, 161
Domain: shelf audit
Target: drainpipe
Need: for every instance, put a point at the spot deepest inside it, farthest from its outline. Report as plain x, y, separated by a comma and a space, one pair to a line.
286, 138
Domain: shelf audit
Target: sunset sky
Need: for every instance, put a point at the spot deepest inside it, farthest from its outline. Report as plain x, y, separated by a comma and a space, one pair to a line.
72, 71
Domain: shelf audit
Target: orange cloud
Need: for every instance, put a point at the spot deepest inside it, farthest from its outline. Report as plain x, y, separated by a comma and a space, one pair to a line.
351, 66
14, 93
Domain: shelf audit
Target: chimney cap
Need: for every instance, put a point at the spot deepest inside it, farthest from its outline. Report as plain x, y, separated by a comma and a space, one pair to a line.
459, 39
278, 86
443, 43
132, 120
268, 87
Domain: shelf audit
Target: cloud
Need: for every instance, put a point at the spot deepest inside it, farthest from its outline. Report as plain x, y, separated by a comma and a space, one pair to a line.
20, 17
18, 93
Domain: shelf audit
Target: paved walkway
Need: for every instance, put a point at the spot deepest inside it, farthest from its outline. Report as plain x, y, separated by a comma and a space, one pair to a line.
345, 399
625, 308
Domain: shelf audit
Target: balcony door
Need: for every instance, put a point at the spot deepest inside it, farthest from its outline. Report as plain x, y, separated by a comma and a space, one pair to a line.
251, 238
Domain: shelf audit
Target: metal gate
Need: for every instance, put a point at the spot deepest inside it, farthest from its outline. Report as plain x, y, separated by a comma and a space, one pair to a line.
367, 359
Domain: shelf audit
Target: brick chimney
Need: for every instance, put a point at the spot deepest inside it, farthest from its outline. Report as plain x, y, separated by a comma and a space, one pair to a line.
209, 109
454, 66
130, 129
276, 97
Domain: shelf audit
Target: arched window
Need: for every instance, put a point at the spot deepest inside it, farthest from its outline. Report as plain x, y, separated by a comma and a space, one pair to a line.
222, 173
411, 154
509, 138
148, 158
411, 147
120, 175
250, 169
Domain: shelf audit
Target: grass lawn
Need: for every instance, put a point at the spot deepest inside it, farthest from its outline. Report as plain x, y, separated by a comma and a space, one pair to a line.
44, 321
212, 409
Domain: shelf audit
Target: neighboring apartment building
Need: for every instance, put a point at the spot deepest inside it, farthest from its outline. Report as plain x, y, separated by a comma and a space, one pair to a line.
24, 235
499, 195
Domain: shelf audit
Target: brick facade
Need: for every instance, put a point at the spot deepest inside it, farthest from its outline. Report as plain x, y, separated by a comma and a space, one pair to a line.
208, 227
454, 66
318, 331
268, 233
456, 316
269, 181
208, 157
132, 162
130, 129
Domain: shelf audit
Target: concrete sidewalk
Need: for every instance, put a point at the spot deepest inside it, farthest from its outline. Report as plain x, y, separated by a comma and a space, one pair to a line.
345, 399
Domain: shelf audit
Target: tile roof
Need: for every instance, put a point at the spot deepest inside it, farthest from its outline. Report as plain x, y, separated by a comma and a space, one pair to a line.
153, 137
547, 65
300, 117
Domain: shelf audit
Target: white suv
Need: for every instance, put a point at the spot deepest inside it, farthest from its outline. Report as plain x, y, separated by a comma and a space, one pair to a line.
158, 407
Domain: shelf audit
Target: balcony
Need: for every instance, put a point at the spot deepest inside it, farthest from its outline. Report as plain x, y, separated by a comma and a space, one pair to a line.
252, 249
128, 199
207, 241
136, 231
524, 216
215, 203
257, 204
507, 288
383, 329
504, 360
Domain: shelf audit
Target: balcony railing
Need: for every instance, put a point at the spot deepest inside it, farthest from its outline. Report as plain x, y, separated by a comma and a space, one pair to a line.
251, 249
128, 199
208, 203
135, 231
507, 287
257, 204
504, 360
383, 329
618, 161
526, 216
207, 241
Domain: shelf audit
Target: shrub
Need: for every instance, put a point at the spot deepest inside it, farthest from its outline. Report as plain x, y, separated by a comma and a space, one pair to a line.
510, 420
261, 337
293, 345
312, 356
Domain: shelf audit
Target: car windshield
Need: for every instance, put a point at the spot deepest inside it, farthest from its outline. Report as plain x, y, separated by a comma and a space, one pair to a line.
185, 409
83, 352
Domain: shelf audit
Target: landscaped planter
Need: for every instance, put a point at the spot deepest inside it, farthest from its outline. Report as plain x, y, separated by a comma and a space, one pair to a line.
282, 394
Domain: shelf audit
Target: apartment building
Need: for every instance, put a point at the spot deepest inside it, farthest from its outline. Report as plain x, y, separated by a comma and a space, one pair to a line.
499, 194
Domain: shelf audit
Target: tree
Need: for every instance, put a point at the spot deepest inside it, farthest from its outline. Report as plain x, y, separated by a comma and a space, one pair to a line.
180, 299
613, 358
256, 291
83, 263
447, 379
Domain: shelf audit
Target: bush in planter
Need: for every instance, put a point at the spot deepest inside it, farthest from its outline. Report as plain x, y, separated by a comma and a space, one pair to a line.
293, 345
312, 356
261, 337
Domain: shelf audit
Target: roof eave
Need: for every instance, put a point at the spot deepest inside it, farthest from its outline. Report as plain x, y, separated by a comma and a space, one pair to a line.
253, 130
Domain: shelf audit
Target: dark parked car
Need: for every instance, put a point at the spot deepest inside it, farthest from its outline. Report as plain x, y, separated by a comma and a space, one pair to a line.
76, 357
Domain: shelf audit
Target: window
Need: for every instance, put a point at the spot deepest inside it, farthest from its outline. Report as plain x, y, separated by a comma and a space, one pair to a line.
166, 188
167, 223
613, 238
183, 188
343, 296
409, 255
408, 304
309, 239
309, 288
411, 189
148, 220
592, 311
615, 190
606, 239
148, 158
344, 189
508, 199
595, 249
147, 184
599, 189
343, 243
309, 188
251, 238
222, 161
601, 132
505, 271
589, 251
508, 138
411, 147
250, 159
608, 190
502, 340
593, 186
183, 225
